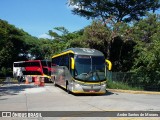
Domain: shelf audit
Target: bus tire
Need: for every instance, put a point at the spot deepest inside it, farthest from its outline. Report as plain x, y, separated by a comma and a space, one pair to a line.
67, 88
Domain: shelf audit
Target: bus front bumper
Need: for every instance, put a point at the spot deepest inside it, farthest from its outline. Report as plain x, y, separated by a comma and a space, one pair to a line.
89, 88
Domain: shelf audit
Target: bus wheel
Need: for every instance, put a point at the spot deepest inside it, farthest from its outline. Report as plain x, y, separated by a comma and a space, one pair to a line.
67, 88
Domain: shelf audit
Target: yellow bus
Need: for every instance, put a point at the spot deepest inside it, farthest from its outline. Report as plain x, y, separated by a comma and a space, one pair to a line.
80, 70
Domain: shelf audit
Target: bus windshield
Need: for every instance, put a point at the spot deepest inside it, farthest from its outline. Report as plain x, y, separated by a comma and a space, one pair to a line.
90, 68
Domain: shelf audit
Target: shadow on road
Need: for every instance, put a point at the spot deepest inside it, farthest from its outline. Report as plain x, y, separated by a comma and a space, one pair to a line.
106, 94
13, 89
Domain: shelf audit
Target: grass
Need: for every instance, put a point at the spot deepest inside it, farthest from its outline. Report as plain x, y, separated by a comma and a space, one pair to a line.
120, 85
3, 79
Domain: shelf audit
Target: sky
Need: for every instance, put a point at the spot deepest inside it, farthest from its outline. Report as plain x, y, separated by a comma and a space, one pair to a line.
37, 17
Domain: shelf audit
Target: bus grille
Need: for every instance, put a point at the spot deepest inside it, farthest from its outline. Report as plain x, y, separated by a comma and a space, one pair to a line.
88, 88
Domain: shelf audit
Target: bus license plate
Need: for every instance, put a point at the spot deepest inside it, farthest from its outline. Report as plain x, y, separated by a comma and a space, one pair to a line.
91, 91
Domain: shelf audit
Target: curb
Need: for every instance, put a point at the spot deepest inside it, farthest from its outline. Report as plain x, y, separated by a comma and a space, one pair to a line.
133, 92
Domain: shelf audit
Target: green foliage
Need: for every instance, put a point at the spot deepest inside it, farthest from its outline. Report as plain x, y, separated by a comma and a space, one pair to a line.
16, 45
97, 36
10, 43
63, 39
120, 10
5, 72
114, 42
121, 85
63, 30
147, 51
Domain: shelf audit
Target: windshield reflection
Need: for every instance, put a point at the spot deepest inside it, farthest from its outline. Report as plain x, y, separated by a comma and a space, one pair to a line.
90, 68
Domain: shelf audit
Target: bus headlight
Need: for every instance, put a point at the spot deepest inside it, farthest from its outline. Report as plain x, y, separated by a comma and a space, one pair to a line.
77, 85
103, 84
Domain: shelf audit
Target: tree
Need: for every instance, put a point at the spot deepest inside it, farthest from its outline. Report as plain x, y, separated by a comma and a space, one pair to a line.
98, 36
58, 33
11, 43
120, 10
16, 45
63, 39
147, 50
114, 42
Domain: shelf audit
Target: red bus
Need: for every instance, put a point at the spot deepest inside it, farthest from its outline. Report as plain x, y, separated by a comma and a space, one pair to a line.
36, 68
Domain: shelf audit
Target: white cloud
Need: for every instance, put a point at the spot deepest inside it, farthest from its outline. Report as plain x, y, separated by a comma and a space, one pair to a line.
71, 6
44, 36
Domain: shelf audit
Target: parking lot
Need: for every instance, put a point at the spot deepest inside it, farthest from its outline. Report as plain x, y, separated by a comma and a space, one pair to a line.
15, 97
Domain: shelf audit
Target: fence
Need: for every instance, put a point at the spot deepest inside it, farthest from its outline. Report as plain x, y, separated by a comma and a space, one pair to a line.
120, 76
132, 79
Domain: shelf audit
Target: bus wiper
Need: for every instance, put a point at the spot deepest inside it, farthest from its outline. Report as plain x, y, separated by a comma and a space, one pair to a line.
91, 74
88, 75
98, 76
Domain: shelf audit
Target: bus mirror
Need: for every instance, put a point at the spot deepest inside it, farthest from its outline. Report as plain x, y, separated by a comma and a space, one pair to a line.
109, 64
72, 63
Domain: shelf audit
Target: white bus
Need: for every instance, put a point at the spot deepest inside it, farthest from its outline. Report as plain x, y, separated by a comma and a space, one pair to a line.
18, 68
80, 70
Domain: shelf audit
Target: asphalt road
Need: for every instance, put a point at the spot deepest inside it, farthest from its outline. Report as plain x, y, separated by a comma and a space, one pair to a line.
49, 98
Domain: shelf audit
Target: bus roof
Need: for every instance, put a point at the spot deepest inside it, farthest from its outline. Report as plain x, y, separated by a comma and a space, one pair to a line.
32, 61
46, 60
80, 51
19, 62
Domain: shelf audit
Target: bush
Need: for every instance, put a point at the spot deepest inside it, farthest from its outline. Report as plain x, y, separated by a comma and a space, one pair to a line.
6, 72
121, 85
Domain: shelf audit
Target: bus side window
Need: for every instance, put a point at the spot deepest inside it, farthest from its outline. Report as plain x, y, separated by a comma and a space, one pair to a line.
55, 61
61, 61
64, 61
